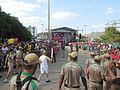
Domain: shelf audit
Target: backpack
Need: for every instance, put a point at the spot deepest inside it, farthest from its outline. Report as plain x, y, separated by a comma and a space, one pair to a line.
21, 83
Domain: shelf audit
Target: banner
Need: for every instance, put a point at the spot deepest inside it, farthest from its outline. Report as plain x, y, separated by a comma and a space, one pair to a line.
11, 41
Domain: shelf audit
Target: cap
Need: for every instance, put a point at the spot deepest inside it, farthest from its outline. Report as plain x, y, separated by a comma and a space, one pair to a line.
43, 52
107, 55
97, 58
92, 53
73, 54
31, 58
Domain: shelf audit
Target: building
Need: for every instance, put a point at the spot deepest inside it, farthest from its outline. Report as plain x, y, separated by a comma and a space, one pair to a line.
64, 34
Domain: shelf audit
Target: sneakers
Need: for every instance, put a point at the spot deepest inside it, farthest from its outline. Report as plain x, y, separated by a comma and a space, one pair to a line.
47, 81
5, 81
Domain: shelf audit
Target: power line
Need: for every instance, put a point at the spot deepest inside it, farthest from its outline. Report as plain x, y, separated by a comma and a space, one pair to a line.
114, 23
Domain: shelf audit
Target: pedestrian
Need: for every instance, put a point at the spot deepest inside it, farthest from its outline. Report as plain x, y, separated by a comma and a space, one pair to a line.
71, 73
4, 52
110, 67
95, 75
44, 65
9, 61
63, 49
19, 58
24, 80
77, 47
71, 47
90, 61
1, 56
115, 85
106, 59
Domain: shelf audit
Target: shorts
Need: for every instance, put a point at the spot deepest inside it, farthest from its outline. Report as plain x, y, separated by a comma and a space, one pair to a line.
44, 69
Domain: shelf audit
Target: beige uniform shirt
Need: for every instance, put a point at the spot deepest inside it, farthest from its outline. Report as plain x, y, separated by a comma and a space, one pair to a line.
72, 73
34, 85
19, 54
95, 73
90, 61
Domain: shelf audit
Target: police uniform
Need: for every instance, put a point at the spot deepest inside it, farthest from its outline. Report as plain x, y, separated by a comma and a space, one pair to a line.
10, 58
105, 71
90, 61
34, 84
72, 72
19, 57
95, 76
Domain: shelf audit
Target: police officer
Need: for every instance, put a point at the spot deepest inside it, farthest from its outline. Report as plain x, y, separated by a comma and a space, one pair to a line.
106, 59
71, 73
19, 58
95, 75
24, 80
115, 85
9, 61
90, 61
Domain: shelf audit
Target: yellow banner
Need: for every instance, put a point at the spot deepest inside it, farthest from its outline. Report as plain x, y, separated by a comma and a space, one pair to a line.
11, 41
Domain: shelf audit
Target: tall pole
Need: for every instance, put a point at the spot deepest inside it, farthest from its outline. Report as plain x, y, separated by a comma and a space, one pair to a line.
92, 35
49, 31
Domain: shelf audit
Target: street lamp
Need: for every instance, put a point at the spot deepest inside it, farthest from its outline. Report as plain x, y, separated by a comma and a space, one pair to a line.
49, 31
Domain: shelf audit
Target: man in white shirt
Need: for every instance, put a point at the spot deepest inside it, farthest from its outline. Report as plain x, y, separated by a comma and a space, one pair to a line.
44, 65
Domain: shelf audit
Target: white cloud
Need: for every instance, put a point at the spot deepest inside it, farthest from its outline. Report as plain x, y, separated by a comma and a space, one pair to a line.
109, 10
32, 20
98, 27
22, 10
17, 8
64, 15
42, 1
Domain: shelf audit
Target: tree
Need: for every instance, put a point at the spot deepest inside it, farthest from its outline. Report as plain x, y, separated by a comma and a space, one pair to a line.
111, 35
10, 26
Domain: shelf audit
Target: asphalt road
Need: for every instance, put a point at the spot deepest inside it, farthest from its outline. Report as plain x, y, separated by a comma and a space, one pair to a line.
54, 71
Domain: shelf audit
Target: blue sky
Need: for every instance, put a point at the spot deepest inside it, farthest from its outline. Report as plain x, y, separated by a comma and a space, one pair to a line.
77, 14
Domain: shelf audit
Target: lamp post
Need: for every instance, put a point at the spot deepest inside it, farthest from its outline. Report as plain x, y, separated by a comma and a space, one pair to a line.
49, 31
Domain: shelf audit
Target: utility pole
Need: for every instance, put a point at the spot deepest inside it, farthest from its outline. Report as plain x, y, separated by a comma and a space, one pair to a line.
92, 38
49, 31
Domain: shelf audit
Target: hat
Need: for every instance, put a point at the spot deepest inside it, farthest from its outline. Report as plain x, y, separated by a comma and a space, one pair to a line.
73, 54
31, 58
43, 52
97, 58
107, 55
92, 53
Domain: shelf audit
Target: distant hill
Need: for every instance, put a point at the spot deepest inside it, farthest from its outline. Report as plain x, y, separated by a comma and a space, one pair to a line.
95, 34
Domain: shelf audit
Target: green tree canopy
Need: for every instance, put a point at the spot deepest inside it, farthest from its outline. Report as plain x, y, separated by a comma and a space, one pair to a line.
111, 35
10, 26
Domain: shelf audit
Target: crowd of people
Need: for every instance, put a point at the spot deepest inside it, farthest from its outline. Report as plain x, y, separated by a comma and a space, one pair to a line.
12, 56
101, 67
22, 61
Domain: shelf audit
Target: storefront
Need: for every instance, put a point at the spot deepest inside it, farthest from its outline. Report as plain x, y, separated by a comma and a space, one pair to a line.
64, 34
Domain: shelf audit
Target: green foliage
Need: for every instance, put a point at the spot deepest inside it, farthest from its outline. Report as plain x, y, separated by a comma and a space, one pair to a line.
111, 35
97, 40
10, 26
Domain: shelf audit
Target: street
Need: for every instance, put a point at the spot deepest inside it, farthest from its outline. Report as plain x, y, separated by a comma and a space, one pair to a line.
54, 71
